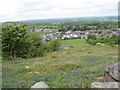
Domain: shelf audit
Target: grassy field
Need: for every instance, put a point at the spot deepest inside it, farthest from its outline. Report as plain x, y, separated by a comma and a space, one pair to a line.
73, 42
76, 67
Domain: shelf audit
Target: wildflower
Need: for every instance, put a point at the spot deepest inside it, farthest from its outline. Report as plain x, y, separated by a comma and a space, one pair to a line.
102, 71
78, 74
75, 69
90, 77
83, 77
72, 73
18, 85
5, 77
24, 82
79, 79
6, 63
16, 76
12, 87
6, 69
32, 81
4, 84
42, 78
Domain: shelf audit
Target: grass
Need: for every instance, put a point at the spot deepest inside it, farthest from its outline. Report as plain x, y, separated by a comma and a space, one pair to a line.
77, 67
73, 42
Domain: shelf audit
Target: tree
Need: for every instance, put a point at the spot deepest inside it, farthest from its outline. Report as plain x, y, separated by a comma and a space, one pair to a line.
93, 37
61, 30
14, 39
54, 45
36, 47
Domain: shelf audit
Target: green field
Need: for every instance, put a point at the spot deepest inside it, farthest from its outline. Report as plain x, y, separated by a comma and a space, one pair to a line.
73, 42
76, 67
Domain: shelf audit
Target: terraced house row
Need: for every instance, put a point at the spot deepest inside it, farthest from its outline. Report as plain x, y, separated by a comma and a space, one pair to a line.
76, 34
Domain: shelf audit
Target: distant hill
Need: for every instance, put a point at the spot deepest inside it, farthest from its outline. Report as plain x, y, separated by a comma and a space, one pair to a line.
74, 19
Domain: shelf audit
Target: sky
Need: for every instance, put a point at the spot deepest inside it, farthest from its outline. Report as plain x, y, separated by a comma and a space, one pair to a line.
15, 10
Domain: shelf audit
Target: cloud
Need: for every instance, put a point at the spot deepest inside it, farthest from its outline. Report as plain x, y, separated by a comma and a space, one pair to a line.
11, 10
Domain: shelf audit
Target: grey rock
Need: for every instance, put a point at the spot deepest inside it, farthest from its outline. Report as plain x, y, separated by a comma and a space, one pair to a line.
105, 84
112, 72
40, 85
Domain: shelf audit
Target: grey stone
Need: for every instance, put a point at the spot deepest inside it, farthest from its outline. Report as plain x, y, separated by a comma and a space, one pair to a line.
105, 84
112, 72
40, 85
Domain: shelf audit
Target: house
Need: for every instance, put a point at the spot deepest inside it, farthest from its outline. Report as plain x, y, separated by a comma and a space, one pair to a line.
76, 34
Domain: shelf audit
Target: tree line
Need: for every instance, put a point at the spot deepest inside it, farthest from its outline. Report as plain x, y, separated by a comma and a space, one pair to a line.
113, 40
87, 26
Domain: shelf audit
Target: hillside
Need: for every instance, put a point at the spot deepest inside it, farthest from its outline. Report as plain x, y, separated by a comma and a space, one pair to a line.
76, 67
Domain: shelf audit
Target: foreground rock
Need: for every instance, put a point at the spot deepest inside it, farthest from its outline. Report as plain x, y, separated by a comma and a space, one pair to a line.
40, 85
112, 73
105, 84
111, 79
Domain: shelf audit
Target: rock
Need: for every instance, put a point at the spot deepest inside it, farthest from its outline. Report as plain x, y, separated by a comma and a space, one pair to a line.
33, 73
111, 79
116, 45
66, 47
70, 46
40, 85
64, 52
115, 71
99, 44
112, 72
88, 44
27, 67
104, 85
37, 64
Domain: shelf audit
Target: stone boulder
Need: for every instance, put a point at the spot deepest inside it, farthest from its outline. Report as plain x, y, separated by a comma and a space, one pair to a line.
105, 84
111, 79
112, 72
40, 85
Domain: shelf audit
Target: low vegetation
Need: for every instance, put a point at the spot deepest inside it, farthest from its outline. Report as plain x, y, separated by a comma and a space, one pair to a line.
114, 40
73, 42
76, 67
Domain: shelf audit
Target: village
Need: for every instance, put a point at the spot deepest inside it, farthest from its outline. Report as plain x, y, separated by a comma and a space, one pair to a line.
55, 34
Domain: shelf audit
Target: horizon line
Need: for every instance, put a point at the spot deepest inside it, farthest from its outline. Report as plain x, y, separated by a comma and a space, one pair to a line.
25, 20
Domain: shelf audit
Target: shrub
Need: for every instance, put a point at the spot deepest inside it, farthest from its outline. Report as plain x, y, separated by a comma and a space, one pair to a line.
108, 40
36, 48
93, 37
54, 45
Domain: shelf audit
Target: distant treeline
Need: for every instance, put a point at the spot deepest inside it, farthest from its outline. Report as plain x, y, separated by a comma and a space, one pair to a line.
90, 23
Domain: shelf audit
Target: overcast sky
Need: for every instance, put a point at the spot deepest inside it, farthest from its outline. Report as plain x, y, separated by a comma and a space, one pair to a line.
12, 10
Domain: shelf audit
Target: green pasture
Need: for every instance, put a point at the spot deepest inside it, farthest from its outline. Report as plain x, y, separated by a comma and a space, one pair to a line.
73, 42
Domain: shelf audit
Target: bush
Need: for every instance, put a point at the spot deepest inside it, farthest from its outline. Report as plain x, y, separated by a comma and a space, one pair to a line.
36, 48
108, 41
93, 37
54, 45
